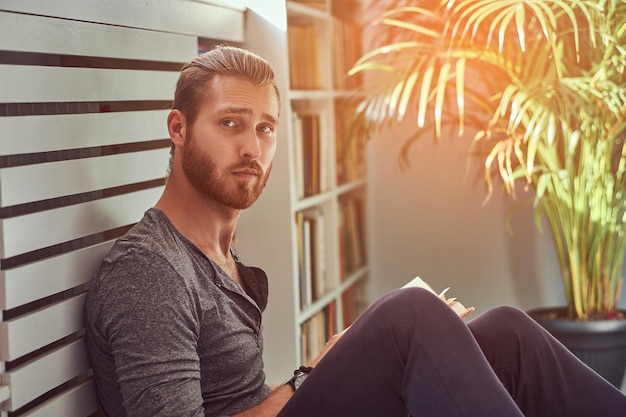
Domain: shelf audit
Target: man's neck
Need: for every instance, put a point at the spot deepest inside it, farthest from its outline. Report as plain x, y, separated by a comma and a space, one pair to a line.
207, 224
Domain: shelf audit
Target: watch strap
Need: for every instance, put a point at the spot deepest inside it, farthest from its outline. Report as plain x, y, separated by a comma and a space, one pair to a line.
298, 376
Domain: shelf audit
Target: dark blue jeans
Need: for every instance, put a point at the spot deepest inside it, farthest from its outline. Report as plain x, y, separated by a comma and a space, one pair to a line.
409, 354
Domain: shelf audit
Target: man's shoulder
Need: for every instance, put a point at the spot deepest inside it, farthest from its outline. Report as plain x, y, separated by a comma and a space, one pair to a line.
153, 231
152, 243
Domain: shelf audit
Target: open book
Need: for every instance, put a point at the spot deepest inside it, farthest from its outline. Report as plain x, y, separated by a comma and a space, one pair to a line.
456, 306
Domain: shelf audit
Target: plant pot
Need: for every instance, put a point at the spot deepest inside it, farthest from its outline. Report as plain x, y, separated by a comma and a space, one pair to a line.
601, 344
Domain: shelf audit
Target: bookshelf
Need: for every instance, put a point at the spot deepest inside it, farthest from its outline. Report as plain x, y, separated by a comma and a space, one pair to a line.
311, 220
328, 201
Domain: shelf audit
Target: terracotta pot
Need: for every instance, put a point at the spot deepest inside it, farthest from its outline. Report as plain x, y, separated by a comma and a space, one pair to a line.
601, 344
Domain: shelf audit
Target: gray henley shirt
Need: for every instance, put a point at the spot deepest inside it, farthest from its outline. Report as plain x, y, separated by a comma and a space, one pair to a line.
169, 333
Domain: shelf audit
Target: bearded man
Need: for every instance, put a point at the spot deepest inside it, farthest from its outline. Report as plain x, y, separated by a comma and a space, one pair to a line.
173, 318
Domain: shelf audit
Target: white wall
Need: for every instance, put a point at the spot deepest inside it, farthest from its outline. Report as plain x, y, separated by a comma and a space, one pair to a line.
429, 220
264, 230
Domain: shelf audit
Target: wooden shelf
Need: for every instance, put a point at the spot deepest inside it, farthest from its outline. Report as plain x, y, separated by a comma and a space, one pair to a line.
313, 282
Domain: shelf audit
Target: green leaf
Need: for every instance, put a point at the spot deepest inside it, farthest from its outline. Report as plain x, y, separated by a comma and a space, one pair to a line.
407, 93
424, 93
460, 92
520, 23
409, 26
440, 96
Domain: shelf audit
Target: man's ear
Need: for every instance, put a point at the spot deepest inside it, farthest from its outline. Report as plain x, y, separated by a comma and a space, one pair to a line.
177, 127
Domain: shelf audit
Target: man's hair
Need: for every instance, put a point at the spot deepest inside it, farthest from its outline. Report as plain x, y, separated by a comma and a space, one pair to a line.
191, 88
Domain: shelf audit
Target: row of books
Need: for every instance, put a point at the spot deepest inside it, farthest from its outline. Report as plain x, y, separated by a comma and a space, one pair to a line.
349, 150
352, 243
315, 332
310, 153
304, 66
347, 50
314, 277
354, 301
304, 37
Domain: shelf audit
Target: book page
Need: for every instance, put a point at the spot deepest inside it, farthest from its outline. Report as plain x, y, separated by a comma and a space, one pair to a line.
456, 306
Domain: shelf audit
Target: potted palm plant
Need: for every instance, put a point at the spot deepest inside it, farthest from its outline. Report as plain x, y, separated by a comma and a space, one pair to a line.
543, 83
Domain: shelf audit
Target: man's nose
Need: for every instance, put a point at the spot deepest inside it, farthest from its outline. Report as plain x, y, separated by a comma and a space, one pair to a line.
251, 146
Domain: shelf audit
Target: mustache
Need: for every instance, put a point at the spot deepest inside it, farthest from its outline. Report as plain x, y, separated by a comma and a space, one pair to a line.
249, 165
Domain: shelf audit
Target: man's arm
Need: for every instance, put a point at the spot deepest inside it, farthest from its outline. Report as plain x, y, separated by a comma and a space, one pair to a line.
275, 402
149, 324
272, 404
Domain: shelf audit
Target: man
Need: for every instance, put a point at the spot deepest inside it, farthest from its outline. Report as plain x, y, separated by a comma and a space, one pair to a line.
173, 318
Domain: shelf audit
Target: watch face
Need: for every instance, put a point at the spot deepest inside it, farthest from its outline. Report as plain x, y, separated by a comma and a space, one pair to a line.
299, 379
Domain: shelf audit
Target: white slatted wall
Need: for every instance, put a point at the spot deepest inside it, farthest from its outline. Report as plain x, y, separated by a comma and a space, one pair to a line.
85, 87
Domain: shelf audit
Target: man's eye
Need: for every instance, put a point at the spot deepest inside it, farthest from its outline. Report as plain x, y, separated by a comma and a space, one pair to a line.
229, 123
266, 129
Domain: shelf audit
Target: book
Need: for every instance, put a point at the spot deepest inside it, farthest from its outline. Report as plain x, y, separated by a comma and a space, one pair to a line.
313, 277
307, 263
314, 221
307, 154
351, 236
349, 150
303, 49
298, 155
346, 52
315, 332
354, 301
455, 305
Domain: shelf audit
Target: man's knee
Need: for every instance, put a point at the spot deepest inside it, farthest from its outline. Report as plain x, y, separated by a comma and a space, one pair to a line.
411, 307
506, 327
509, 314
407, 300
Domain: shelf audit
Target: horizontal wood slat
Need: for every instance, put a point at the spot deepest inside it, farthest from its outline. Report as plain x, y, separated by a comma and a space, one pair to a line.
36, 377
25, 233
79, 401
28, 183
30, 282
71, 131
191, 17
85, 89
66, 37
27, 333
5, 391
35, 84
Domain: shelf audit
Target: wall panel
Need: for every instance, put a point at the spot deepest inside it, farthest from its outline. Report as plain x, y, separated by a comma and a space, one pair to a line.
40, 133
28, 33
62, 84
85, 89
215, 20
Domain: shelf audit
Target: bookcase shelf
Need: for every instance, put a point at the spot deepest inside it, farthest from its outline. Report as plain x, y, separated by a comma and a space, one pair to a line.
351, 186
320, 283
336, 267
309, 94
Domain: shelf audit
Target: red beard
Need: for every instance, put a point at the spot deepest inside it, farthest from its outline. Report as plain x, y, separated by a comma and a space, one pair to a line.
226, 189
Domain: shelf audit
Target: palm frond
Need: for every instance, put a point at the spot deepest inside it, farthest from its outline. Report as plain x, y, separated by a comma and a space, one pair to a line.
543, 85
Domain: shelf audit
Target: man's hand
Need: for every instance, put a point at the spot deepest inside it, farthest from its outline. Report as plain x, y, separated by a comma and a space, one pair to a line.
329, 345
277, 399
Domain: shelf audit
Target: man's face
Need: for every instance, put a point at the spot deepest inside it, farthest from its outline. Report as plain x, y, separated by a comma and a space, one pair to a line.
228, 151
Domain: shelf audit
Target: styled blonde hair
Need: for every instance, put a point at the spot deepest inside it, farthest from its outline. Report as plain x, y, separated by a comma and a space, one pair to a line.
191, 88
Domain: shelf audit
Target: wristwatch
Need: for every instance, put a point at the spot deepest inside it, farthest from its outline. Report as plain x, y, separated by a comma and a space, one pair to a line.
299, 375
